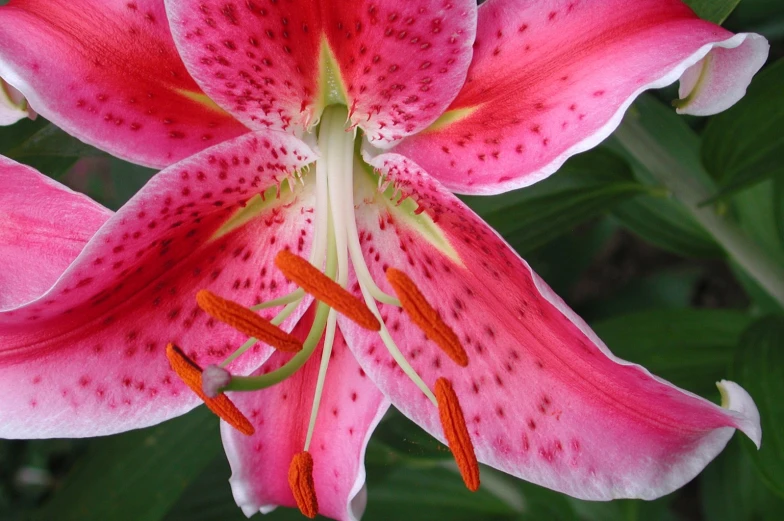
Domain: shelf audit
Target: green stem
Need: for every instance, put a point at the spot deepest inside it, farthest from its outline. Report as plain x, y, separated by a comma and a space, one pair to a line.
691, 193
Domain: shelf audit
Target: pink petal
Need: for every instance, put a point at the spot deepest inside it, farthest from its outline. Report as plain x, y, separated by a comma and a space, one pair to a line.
39, 241
13, 106
401, 63
351, 407
543, 397
552, 79
86, 357
108, 72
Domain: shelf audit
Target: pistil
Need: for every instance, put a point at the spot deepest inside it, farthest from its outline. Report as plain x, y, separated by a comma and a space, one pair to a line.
191, 374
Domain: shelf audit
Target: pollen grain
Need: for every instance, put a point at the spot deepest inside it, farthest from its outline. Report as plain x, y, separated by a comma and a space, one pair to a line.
190, 373
425, 317
306, 276
456, 432
301, 483
246, 321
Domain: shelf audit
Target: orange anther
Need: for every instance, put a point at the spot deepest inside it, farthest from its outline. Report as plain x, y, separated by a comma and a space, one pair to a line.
190, 373
301, 484
456, 433
246, 321
425, 317
306, 276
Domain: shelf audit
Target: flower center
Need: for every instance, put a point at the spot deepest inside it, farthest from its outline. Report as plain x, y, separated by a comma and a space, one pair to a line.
336, 248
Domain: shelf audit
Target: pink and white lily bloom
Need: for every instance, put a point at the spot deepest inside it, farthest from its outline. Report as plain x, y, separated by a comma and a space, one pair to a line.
311, 148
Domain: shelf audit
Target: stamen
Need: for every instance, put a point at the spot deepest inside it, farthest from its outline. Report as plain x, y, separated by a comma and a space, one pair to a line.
456, 432
427, 318
190, 373
394, 351
246, 321
305, 275
326, 355
263, 381
301, 484
355, 249
294, 296
276, 321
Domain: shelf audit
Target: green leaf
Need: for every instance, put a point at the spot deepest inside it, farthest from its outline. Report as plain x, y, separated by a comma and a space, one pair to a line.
692, 348
760, 16
714, 10
742, 146
664, 289
759, 368
407, 440
127, 179
136, 475
762, 302
758, 211
732, 491
209, 497
430, 492
43, 146
662, 220
667, 224
587, 186
563, 262
49, 140
778, 207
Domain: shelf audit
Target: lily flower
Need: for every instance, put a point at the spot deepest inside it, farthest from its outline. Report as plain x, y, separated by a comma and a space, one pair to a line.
13, 106
304, 251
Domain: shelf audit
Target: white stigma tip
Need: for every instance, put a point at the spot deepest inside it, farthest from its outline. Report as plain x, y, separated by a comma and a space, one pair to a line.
214, 379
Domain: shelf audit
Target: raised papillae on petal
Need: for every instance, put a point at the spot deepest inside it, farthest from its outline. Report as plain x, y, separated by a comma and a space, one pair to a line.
107, 71
542, 397
262, 465
86, 355
396, 65
551, 79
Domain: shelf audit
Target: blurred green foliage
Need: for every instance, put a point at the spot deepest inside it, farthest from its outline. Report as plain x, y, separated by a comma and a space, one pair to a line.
628, 257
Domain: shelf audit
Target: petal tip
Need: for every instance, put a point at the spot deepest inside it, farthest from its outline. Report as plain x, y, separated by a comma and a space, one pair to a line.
736, 399
721, 78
